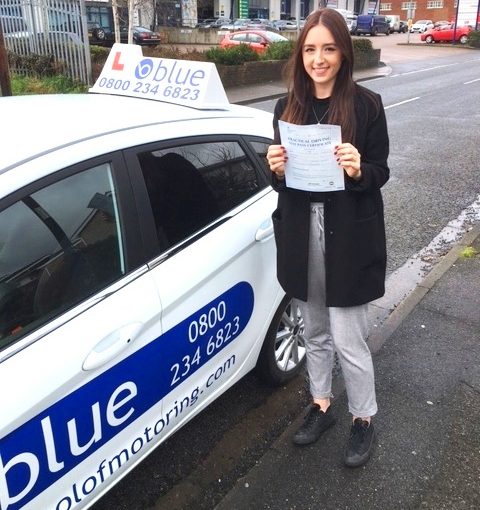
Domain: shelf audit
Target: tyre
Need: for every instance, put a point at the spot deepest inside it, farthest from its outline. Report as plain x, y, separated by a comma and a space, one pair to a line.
429, 39
100, 34
283, 352
463, 39
374, 31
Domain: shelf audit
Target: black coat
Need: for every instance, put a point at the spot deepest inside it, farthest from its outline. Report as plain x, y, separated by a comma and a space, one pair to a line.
355, 248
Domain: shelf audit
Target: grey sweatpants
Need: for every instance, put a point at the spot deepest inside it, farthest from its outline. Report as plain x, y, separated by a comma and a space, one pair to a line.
330, 328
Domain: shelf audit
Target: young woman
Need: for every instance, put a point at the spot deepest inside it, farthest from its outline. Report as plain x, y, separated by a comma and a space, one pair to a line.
331, 252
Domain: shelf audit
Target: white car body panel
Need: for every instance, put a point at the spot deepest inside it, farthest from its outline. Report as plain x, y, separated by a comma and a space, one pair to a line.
96, 380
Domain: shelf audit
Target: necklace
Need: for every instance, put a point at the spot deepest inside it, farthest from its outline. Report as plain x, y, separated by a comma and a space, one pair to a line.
323, 116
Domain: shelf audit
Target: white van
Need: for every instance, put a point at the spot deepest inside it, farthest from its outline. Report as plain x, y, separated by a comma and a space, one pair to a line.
394, 22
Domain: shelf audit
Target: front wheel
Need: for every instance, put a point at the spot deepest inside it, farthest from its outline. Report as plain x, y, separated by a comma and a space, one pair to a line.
429, 39
283, 352
463, 39
100, 34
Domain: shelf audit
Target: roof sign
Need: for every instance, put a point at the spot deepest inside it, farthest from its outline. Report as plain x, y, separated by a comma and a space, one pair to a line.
128, 73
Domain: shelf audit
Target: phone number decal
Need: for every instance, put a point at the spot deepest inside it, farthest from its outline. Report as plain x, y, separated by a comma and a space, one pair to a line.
196, 340
149, 89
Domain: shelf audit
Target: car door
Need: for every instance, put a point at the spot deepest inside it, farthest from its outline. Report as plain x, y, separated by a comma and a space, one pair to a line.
445, 34
237, 39
79, 314
215, 268
257, 42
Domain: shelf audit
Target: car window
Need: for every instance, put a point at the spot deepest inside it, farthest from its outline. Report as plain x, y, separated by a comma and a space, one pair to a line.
190, 186
58, 245
255, 38
239, 37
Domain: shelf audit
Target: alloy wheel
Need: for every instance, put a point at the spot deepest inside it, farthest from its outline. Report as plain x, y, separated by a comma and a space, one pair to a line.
290, 341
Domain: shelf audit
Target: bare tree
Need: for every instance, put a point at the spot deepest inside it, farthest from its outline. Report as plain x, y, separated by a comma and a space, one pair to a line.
116, 20
131, 13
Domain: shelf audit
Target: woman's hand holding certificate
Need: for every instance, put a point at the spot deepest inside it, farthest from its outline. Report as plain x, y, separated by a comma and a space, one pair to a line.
311, 164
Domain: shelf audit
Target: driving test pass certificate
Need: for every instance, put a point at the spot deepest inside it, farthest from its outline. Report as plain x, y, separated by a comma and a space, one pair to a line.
311, 164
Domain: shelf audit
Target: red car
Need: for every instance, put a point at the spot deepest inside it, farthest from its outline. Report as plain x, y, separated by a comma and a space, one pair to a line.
446, 33
258, 40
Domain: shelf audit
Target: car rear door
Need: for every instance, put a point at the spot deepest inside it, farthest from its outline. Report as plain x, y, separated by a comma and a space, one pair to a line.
215, 264
257, 42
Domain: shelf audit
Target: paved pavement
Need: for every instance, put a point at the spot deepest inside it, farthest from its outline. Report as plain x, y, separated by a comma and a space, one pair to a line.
427, 362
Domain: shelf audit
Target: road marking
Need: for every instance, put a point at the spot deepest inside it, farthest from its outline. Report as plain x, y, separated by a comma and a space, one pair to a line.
426, 69
402, 102
471, 81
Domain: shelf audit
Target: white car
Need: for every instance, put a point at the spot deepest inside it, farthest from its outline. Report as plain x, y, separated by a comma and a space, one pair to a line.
351, 23
285, 24
421, 26
137, 277
238, 24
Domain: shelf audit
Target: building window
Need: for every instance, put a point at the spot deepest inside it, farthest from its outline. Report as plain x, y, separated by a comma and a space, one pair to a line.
434, 4
385, 7
408, 5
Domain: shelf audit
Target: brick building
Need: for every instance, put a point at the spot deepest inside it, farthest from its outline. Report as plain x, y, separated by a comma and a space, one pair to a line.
436, 10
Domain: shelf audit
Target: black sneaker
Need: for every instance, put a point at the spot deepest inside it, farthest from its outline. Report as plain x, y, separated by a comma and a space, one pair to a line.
315, 422
360, 443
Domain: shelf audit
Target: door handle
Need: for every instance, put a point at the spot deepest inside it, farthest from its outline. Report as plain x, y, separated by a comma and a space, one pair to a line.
110, 346
265, 231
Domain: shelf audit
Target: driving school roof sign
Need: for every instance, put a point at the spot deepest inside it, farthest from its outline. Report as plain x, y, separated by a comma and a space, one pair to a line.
128, 73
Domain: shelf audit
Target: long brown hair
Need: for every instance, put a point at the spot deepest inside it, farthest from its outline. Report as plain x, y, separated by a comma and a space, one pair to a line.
301, 87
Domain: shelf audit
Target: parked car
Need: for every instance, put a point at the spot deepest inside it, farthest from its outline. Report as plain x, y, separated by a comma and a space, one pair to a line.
137, 274
14, 27
45, 42
238, 24
441, 23
213, 23
206, 23
421, 26
394, 22
141, 35
372, 24
260, 24
285, 24
447, 33
403, 26
258, 40
351, 23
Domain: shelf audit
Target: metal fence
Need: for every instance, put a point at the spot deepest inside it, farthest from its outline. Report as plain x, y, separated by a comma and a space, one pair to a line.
55, 28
